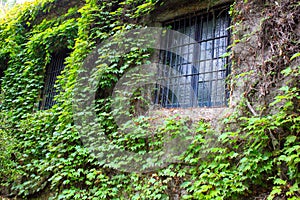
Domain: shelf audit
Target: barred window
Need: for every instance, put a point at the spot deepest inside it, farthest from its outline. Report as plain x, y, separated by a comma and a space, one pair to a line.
198, 74
1, 76
53, 70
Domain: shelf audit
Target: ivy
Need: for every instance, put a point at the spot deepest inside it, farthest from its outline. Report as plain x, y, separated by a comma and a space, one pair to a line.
254, 151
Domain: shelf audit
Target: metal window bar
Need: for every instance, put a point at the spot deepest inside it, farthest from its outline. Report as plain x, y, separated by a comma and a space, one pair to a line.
53, 70
207, 79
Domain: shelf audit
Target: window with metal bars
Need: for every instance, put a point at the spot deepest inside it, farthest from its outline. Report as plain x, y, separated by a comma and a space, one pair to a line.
1, 76
53, 70
195, 75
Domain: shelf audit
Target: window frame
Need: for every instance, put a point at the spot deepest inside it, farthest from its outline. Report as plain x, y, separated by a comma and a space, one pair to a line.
217, 13
52, 71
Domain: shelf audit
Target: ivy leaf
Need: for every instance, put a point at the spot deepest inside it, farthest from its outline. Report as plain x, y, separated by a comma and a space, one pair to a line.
279, 181
91, 176
295, 56
290, 139
185, 184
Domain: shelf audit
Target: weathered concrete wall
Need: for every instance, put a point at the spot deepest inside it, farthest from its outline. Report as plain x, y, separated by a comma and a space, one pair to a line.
171, 9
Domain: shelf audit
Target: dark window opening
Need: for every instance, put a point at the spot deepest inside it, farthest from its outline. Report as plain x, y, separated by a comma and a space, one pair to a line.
53, 70
1, 76
195, 75
3, 67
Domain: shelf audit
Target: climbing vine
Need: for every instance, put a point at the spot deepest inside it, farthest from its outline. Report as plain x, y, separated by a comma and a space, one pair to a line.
255, 152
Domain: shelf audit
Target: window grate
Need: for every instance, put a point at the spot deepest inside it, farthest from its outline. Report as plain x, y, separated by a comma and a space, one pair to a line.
53, 70
195, 74
1, 76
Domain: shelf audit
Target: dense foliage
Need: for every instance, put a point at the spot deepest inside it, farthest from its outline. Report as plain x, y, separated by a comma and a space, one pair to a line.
41, 153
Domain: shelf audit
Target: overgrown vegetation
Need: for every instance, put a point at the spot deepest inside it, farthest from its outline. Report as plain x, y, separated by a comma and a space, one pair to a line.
255, 152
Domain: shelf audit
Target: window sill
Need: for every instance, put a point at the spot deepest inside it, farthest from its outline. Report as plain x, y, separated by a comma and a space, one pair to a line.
195, 114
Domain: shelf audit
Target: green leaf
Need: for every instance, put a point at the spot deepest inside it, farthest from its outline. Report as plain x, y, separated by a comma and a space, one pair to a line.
91, 176
290, 139
295, 56
279, 181
185, 184
287, 71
